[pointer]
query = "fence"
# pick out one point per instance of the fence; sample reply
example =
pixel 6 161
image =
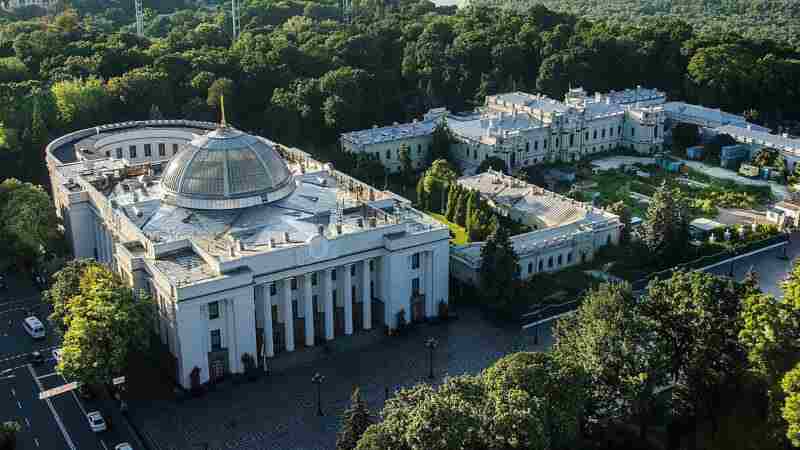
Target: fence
pixel 711 260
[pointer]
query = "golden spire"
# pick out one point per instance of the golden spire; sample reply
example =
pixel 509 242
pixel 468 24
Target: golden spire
pixel 223 124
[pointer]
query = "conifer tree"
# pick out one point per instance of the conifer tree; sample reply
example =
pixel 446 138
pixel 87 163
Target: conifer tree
pixel 461 207
pixel 472 200
pixel 499 265
pixel 451 201
pixel 422 196
pixel 355 421
pixel 666 226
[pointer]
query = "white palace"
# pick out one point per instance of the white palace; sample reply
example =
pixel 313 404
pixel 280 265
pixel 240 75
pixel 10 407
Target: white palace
pixel 526 129
pixel 247 246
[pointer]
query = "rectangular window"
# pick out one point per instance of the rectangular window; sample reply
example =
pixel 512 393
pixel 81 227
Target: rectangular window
pixel 119 152
pixel 655 132
pixel 586 136
pixel 294 284
pixel 216 340
pixel 273 290
pixel 371 265
pixel 594 134
pixel 313 279
pixel 545 144
pixel 633 132
pixel 388 154
pixel 353 270
pixel 132 151
pixel 333 274
pixel 162 149
pixel 611 132
pixel 619 130
pixel 603 133
pixel 213 310
pixel 174 149
pixel 536 145
pixel 571 139
pixel 419 149
pixel 148 150
pixel 333 296
pixel 415 261
pixel 415 287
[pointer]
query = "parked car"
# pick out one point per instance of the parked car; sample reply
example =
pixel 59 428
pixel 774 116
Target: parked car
pixel 34 327
pixel 96 421
pixel 123 446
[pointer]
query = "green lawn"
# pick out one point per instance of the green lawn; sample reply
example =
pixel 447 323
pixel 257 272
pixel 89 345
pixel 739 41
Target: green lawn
pixel 458 231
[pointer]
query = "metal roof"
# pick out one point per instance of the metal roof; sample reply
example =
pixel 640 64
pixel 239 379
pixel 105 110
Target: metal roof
pixel 390 133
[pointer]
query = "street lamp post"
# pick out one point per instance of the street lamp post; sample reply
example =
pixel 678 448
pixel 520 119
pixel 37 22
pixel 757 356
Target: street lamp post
pixel 318 380
pixel 431 345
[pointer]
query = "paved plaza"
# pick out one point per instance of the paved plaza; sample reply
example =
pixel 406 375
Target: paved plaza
pixel 279 411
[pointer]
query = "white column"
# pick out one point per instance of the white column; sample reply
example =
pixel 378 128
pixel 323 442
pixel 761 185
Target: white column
pixel 327 286
pixel 288 315
pixel 347 281
pixel 430 301
pixel 308 309
pixel 230 336
pixel 269 342
pixel 366 295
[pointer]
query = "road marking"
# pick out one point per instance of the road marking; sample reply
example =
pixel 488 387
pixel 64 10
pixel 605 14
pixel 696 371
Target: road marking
pixel 104 444
pixel 22 355
pixel 36 441
pixel 77 400
pixel 48 375
pixel 53 411
pixel 27 422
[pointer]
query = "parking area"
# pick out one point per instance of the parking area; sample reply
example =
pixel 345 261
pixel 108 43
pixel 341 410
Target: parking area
pixel 58 422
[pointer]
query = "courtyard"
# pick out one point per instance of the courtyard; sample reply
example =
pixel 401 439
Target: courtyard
pixel 279 411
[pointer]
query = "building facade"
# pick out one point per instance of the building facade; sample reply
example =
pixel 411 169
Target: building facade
pixel 10 5
pixel 526 129
pixel 245 245
pixel 566 232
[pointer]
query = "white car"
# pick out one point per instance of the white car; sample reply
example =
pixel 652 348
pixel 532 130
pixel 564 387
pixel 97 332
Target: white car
pixel 123 446
pixel 56 354
pixel 96 421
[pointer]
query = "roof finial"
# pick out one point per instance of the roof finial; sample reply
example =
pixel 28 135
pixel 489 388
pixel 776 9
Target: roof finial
pixel 222 124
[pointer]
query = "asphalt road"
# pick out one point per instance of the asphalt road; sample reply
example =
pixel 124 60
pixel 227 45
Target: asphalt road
pixel 60 421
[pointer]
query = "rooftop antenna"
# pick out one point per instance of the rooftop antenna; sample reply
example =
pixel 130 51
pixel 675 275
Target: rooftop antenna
pixel 235 19
pixel 139 18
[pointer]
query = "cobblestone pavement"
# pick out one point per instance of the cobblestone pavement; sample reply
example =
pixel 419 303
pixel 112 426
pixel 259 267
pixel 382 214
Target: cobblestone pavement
pixel 279 411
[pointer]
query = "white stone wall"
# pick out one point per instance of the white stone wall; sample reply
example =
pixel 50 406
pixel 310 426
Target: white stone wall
pixel 388 153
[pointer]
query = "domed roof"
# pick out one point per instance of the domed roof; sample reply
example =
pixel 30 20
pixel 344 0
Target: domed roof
pixel 226 169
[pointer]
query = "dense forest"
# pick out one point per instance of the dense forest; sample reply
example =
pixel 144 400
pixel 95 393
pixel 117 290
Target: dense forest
pixel 760 19
pixel 301 74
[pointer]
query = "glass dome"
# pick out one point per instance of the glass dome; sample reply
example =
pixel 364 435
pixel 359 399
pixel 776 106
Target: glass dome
pixel 226 169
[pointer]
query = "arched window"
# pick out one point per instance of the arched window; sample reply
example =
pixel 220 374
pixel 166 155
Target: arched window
pixel 527 146
pixel 388 154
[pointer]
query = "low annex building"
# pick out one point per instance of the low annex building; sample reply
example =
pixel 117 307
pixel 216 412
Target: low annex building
pixel 246 246
pixel 566 232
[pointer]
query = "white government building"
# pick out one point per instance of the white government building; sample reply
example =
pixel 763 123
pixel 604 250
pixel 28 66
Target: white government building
pixel 526 129
pixel 566 232
pixel 247 246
